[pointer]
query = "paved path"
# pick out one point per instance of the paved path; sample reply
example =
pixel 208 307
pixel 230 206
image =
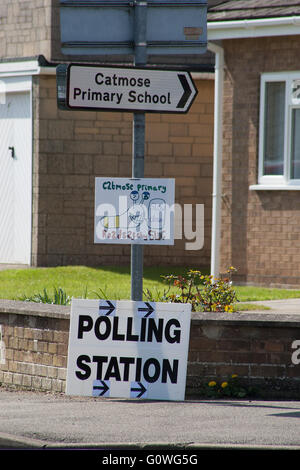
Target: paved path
pixel 44 419
pixel 289 306
pixel 4 266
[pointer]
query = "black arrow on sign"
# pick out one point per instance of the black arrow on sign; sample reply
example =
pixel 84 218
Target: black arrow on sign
pixel 141 390
pixel 102 387
pixel 110 307
pixel 186 93
pixel 149 309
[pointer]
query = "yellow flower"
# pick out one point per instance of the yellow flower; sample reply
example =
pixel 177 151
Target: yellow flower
pixel 229 308
pixel 212 383
pixel 234 376
pixel 224 384
pixel 231 268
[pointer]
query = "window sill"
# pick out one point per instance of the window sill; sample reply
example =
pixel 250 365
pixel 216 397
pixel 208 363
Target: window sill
pixel 270 187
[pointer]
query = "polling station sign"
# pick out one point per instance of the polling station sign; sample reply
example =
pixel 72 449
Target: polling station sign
pixel 128 349
pixel 134 210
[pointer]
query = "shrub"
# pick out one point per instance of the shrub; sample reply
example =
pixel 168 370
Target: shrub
pixel 203 292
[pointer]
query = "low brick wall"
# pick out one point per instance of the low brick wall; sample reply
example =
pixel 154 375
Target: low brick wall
pixel 257 347
pixel 34 345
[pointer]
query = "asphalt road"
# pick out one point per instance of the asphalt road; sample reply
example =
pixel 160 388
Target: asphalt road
pixel 43 420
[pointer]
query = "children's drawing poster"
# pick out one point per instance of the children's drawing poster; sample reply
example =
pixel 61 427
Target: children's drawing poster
pixel 129 210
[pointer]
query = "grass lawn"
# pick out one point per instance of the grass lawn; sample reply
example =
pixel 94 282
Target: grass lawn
pixel 78 281
pixel 247 293
pixel 106 282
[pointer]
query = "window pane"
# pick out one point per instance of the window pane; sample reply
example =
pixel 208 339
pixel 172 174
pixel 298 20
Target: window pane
pixel 295 163
pixel 274 128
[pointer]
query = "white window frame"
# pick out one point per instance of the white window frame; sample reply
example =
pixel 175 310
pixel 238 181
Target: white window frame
pixel 277 182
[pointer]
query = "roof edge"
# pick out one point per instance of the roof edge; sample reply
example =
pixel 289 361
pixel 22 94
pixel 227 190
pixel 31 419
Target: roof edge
pixel 234 29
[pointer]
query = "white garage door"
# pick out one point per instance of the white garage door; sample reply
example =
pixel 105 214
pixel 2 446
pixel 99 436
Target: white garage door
pixel 15 178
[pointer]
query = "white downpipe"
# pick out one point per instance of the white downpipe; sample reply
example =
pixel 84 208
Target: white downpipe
pixel 217 159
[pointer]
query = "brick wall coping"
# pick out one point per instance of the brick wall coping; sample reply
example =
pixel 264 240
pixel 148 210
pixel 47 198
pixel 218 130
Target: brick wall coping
pixel 35 309
pixel 248 319
pixel 218 318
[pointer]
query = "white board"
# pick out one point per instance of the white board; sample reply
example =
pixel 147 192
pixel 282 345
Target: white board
pixel 128 349
pixel 129 89
pixel 139 211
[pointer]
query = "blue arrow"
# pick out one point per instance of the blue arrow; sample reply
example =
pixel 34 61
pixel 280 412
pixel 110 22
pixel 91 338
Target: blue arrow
pixel 99 388
pixel 149 309
pixel 110 307
pixel 140 389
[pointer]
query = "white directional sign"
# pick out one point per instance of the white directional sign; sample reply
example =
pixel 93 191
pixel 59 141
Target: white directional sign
pixel 129 89
pixel 128 349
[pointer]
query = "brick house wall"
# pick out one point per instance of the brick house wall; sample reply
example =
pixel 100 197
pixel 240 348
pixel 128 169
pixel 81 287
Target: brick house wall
pixel 71 148
pixel 260 229
pixel 26 27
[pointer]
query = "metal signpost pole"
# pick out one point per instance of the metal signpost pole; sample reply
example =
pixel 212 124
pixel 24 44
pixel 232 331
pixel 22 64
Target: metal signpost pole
pixel 138 143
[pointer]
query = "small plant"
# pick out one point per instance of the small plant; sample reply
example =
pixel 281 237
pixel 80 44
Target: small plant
pixel 227 388
pixel 159 296
pixel 59 297
pixel 203 292
pixel 101 293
